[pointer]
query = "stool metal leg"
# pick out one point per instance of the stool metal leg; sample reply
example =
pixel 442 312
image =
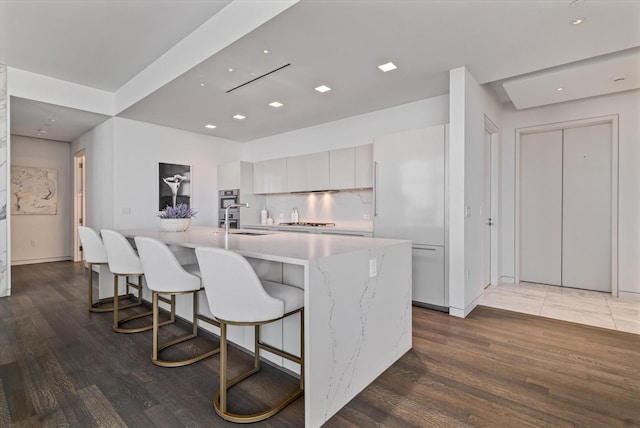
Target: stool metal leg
pixel 220 398
pixel 117 322
pixel 157 347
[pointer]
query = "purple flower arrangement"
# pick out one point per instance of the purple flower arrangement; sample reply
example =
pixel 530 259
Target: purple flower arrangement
pixel 179 211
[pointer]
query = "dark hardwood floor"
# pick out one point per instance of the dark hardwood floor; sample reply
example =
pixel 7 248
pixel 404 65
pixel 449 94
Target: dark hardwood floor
pixel 63 366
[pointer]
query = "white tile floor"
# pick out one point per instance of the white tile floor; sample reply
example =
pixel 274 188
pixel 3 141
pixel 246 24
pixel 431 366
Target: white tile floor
pixel 567 304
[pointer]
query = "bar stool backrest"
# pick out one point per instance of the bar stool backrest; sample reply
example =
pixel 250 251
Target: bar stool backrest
pixel 92 246
pixel 162 270
pixel 123 259
pixel 233 289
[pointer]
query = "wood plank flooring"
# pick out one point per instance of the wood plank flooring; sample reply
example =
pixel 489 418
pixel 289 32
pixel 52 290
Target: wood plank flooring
pixel 63 366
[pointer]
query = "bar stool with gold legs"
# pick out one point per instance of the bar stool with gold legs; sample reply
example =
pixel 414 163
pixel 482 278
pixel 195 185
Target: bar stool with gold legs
pixel 237 296
pixel 94 254
pixel 165 275
pixel 124 262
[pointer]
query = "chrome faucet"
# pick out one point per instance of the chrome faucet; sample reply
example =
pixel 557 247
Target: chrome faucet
pixel 226 215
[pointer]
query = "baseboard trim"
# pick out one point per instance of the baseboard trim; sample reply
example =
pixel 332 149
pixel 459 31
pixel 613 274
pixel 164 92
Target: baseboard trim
pixel 45 260
pixel 628 295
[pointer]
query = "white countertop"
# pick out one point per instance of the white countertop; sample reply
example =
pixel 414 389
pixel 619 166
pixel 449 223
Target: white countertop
pixel 296 248
pixel 324 229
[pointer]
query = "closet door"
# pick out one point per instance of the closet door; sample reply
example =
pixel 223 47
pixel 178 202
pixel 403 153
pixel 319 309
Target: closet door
pixel 586 207
pixel 541 207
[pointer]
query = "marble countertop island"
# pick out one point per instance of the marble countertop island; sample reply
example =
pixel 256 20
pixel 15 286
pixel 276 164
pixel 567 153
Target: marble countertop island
pixel 357 304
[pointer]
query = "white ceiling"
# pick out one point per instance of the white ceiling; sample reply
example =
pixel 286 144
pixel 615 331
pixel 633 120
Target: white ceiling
pixel 337 43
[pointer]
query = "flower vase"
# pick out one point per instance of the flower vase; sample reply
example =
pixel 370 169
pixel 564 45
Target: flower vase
pixel 174 224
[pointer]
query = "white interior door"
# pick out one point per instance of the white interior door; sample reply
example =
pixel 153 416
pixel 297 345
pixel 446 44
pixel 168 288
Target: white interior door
pixel 541 208
pixel 586 208
pixel 486 212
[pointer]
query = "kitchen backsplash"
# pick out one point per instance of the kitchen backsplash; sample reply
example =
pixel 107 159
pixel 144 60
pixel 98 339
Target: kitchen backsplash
pixel 346 208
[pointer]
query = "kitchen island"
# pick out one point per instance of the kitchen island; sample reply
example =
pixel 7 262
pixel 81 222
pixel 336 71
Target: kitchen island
pixel 357 304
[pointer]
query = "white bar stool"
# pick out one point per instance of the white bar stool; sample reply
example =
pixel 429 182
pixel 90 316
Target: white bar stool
pixel 124 262
pixel 94 254
pixel 165 275
pixel 237 296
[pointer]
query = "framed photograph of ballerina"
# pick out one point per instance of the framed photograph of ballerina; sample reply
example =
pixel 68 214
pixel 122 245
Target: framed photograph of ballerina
pixel 174 185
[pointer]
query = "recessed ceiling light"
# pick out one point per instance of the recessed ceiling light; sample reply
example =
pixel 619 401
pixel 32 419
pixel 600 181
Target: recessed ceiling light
pixel 387 67
pixel 276 104
pixel 210 126
pixel 265 51
pixel 52 120
pixel 239 117
pixel 231 70
pixel 202 84
pixel 41 131
pixel 323 88
pixel 254 74
pixel 560 89
pixel 577 21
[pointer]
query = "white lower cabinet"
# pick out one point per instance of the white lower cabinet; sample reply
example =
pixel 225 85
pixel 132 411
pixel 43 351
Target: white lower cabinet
pixel 428 275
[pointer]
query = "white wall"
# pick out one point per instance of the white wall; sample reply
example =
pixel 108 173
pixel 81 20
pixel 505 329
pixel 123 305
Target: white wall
pixel 138 147
pixel 42 238
pixel 470 103
pixel 352 131
pixel 627 106
pixel 98 147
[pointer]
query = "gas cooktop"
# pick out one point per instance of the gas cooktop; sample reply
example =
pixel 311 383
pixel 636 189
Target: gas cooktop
pixel 309 224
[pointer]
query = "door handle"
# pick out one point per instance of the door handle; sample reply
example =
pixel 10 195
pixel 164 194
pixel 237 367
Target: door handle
pixel 490 223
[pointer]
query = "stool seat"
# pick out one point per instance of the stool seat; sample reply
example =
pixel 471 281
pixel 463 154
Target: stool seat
pixel 165 275
pixel 237 296
pixel 293 297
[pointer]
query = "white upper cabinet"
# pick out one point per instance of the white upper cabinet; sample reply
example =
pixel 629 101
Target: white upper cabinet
pixel 351 168
pixel 308 172
pixel 229 176
pixel 270 176
pixel 342 164
pixel 364 166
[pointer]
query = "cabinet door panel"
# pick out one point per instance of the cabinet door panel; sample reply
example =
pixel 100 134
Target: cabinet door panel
pixel 342 169
pixel 364 166
pixel 277 172
pixel 296 174
pixel 428 275
pixel 410 186
pixel 317 165
pixel 260 177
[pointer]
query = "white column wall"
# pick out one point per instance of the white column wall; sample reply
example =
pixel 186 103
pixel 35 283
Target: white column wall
pixel 469 105
pixel 5 234
pixel 627 106
pixel 98 146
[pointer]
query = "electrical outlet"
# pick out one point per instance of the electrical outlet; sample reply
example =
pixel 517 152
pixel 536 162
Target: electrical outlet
pixel 366 216
pixel 373 268
pixel 33 243
pixel 467 211
pixel 281 215
pixel 125 211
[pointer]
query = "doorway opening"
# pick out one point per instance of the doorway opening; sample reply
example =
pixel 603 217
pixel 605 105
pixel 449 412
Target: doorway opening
pixel 79 201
